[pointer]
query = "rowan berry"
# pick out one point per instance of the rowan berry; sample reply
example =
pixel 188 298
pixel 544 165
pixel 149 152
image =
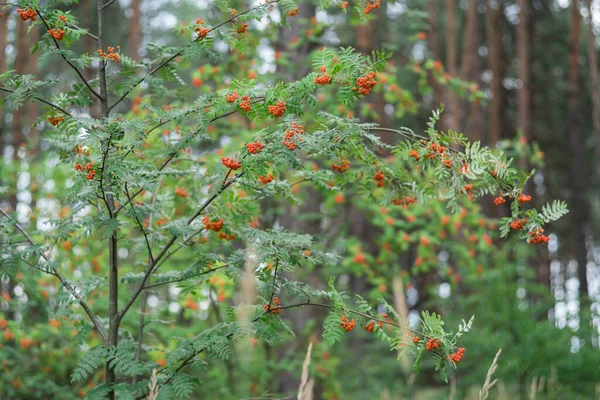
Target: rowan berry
pixel 230 163
pixel 422 35
pixel 468 187
pixel 243 28
pixel 225 236
pixel 347 325
pixel 447 163
pixel 255 147
pixel 90 175
pixel 405 201
pixel 55 120
pixel 266 179
pixel 379 177
pixel 245 104
pixel 323 79
pixel 57 33
pixel 181 192
pixel 274 310
pixel 202 32
pixel 516 225
pixel 537 237
pixel 464 169
pixel 415 154
pixel 28 14
pixel 232 97
pixel 365 84
pixel 523 198
pixel 371 6
pixel 277 110
pixel 344 4
pixel 342 167
pixel 432 344
pixel 63 18
pixel 416 339
pixel 293 12
pixel 458 355
pixel 214 226
pixel 370 327
pixel 499 200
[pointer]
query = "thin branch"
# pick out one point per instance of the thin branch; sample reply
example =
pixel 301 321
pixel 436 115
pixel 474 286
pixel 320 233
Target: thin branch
pixel 180 52
pixel 148 245
pixel 85 82
pixel 62 280
pixel 62 110
pixel 274 282
pixel 108 4
pixel 208 271
pixel 87 33
pixel 170 243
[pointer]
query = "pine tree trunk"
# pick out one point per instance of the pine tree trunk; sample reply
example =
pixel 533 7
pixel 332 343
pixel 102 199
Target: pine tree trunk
pixel 20 68
pixel 452 116
pixel 524 70
pixel 494 21
pixel 435 51
pixel 595 87
pixel 3 67
pixel 135 30
pixel 470 70
pixel 33 108
pixel 578 204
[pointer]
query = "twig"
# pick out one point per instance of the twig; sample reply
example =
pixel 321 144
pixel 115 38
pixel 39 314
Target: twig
pixel 85 82
pixel 186 278
pixel 62 110
pixel 62 280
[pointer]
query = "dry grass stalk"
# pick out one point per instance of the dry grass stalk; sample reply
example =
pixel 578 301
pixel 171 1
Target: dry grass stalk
pixel 153 393
pixel 305 389
pixel 488 384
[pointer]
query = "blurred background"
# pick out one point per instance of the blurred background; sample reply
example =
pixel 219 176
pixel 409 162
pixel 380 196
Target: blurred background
pixel 518 75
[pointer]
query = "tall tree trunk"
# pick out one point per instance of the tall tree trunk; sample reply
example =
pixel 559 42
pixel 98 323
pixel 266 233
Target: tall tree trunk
pixel 452 117
pixel 3 67
pixel 33 108
pixel 578 204
pixel 135 30
pixel 595 87
pixel 435 52
pixel 524 38
pixel 471 68
pixel 494 22
pixel 20 68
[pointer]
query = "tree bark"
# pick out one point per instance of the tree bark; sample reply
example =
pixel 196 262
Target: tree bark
pixel 471 71
pixel 452 117
pixel 524 70
pixel 578 204
pixel 435 51
pixel 595 87
pixel 3 67
pixel 135 30
pixel 20 68
pixel 494 22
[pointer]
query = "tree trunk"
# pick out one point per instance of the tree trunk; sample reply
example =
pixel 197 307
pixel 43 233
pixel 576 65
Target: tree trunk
pixel 494 22
pixel 470 70
pixel 135 30
pixel 524 70
pixel 435 51
pixel 33 108
pixel 578 204
pixel 3 67
pixel 452 116
pixel 20 68
pixel 595 87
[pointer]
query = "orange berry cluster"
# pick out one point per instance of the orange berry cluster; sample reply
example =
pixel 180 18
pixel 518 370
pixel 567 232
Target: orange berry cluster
pixel 214 226
pixel 371 6
pixel 181 192
pixel 110 54
pixel 456 357
pixel 28 14
pixel 416 340
pixel 245 104
pixel 523 198
pixel 57 33
pixel 433 344
pixel 223 235
pixel 88 167
pixel 517 225
pixel 232 97
pixel 243 28
pixel 344 4
pixel 274 310
pixel 277 110
pixel 63 18
pixel 365 84
pixel 370 327
pixel 415 154
pixel 323 79
pixel 538 237
pixel 266 179
pixel 499 200
pixel 464 169
pixel 447 163
pixel 255 147
pixel 380 178
pixel 230 163
pixel 405 201
pixel 468 187
pixel 347 325
pixel 55 120
pixel 290 133
pixel 201 31
pixel 293 12
pixel 342 167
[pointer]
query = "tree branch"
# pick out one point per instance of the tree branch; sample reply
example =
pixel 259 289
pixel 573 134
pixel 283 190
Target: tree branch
pixel 62 280
pixel 62 110
pixel 180 52
pixel 85 82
